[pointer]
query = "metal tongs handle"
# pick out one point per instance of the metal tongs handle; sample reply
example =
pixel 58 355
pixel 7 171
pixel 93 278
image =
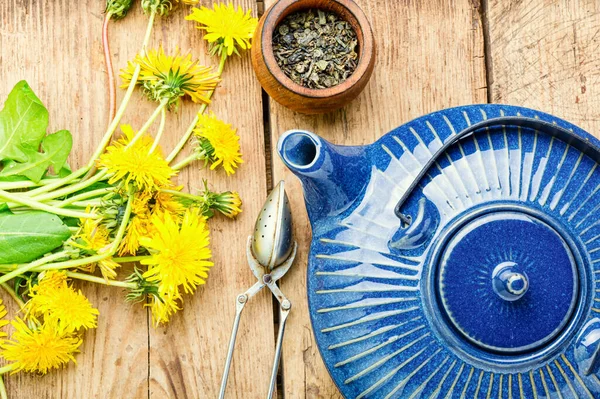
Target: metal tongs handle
pixel 284 310
pixel 240 302
pixel 285 305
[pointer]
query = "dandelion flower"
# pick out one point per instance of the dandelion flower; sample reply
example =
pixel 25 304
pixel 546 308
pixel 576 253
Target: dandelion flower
pixel 136 229
pixel 3 322
pixel 93 238
pixel 226 27
pixel 135 164
pixel 228 203
pixel 144 206
pixel 169 77
pixel 218 143
pixel 163 306
pixel 39 350
pixel 179 253
pixel 55 300
pixel 162 202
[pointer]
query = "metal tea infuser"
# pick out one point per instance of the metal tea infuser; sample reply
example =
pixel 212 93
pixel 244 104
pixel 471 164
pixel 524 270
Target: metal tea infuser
pixel 271 252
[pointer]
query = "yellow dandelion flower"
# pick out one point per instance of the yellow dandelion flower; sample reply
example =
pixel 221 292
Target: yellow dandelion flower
pixel 136 229
pixel 137 226
pixel 3 322
pixel 144 206
pixel 94 239
pixel 171 77
pixel 52 279
pixel 56 301
pixel 218 143
pixel 163 306
pixel 135 164
pixel 228 203
pixel 179 253
pixel 39 350
pixel 167 203
pixel 226 27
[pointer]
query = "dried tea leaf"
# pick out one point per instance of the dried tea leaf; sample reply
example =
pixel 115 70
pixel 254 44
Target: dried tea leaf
pixel 315 49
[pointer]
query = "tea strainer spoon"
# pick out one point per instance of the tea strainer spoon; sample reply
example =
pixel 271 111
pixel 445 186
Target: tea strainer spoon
pixel 271 252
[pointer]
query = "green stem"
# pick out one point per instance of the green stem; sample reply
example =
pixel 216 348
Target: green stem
pixel 180 194
pixel 95 258
pixel 58 183
pixel 121 111
pixel 100 280
pixel 86 195
pixel 34 204
pixel 30 266
pixel 161 129
pixel 85 204
pixel 18 185
pixel 13 295
pixel 3 393
pixel 6 369
pixel 73 188
pixel 186 161
pixel 149 122
pixel 190 130
pixel 128 259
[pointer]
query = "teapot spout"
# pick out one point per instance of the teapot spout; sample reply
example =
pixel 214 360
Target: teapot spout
pixel 332 176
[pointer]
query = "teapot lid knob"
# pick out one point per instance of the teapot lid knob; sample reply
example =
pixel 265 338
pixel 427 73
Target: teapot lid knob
pixel 509 282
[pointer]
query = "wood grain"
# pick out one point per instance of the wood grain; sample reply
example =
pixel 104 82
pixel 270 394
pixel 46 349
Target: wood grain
pixel 187 357
pixel 429 56
pixel 63 64
pixel 56 47
pixel 545 55
pixel 541 54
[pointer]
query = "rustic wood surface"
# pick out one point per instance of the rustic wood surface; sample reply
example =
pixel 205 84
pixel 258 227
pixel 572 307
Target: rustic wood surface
pixel 430 54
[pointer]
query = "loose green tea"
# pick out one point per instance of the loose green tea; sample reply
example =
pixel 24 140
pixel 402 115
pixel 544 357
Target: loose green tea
pixel 315 48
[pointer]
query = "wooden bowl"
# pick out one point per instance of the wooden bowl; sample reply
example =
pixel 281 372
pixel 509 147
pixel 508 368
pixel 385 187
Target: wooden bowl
pixel 292 95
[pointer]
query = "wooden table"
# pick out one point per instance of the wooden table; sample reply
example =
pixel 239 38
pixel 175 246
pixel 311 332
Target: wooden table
pixel 432 54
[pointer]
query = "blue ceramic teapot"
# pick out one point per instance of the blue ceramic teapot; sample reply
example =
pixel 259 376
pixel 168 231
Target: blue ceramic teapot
pixel 457 256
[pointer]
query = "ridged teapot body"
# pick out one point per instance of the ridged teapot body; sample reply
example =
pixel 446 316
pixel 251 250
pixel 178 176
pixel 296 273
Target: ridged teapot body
pixel 487 286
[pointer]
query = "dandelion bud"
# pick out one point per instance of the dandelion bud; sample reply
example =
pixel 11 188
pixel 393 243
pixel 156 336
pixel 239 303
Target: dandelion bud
pixel 228 203
pixel 160 7
pixel 118 8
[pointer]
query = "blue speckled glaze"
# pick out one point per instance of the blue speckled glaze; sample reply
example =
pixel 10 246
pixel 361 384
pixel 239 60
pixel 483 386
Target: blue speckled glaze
pixel 520 245
pixel 491 289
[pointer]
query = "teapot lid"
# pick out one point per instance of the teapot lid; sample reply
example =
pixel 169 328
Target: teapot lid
pixel 489 289
pixel 507 282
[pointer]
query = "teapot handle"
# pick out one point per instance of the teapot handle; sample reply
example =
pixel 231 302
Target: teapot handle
pixel 552 129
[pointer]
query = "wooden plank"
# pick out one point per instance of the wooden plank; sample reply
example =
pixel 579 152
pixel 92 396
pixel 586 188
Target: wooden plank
pixel 187 357
pixel 430 56
pixel 544 55
pixel 63 63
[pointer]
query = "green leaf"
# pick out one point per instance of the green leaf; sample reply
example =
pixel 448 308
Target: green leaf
pixel 56 149
pixel 64 171
pixel 23 124
pixel 4 208
pixel 27 236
